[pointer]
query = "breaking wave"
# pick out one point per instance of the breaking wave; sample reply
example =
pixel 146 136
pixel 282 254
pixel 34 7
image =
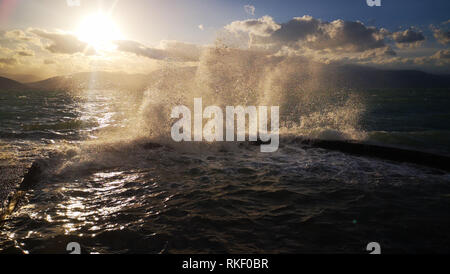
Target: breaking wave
pixel 126 179
pixel 235 77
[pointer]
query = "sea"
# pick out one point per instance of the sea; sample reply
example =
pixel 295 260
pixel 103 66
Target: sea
pixel 112 180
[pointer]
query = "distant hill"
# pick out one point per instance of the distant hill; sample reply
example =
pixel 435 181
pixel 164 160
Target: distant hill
pixel 11 85
pixel 93 80
pixel 327 76
pixel 353 76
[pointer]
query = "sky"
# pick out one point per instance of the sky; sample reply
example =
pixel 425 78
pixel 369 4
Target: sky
pixel 43 38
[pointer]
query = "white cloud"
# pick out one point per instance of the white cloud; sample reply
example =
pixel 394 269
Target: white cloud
pixel 264 26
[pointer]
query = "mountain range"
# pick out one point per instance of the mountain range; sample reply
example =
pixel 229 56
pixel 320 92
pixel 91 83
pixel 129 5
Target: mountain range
pixel 347 76
pixel 8 84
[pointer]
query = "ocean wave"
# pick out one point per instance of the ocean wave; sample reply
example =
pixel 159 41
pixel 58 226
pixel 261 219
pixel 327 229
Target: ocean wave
pixel 142 192
pixel 66 125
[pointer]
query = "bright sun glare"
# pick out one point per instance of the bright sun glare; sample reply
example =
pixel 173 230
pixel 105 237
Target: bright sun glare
pixel 98 30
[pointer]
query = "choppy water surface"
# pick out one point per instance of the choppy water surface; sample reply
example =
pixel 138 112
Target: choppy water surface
pixel 132 196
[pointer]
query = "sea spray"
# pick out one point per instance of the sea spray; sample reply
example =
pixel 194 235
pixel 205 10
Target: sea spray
pixel 224 77
pixel 214 128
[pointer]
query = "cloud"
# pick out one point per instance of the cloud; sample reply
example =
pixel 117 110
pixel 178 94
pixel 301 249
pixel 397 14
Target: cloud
pixel 297 29
pixel 443 54
pixel 45 53
pixel 17 50
pixel 442 36
pixel 49 62
pixel 18 34
pixel 181 50
pixel 25 52
pixel 63 43
pixel 337 41
pixel 177 51
pixel 379 52
pixel 306 31
pixel 249 9
pixel 5 51
pixel 264 26
pixel 408 38
pixel 8 61
pixel 139 49
pixel 439 58
pixel 350 36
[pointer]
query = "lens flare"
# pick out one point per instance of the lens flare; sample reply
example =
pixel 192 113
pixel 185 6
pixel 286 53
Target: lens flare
pixel 98 30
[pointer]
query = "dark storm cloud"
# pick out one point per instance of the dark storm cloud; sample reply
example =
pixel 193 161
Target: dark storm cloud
pixel 408 38
pixel 313 33
pixel 350 36
pixel 297 29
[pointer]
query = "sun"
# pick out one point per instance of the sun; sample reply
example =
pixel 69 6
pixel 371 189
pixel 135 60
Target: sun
pixel 98 30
